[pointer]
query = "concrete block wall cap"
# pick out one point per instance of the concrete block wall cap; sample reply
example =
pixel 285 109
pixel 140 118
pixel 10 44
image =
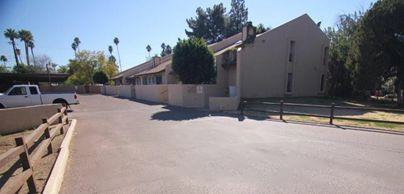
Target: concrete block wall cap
pixel 56 178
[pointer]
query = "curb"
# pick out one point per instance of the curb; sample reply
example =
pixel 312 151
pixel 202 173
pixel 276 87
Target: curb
pixel 56 178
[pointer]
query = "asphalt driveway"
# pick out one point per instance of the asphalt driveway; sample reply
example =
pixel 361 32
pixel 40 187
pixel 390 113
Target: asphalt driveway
pixel 123 146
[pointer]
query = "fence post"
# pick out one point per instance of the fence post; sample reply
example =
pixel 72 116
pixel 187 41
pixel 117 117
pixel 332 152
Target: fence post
pixel 332 113
pixel 281 110
pixel 65 113
pixel 47 136
pixel 61 119
pixel 26 164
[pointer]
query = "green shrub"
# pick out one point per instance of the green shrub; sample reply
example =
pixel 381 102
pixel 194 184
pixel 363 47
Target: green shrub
pixel 193 62
pixel 100 77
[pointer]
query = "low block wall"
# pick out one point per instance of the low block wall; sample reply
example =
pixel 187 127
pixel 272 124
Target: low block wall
pixel 192 96
pixel 24 118
pixel 125 91
pixel 153 93
pixel 223 103
pixel 111 90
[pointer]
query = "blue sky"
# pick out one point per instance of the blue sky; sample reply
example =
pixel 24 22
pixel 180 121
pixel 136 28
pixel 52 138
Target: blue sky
pixel 54 23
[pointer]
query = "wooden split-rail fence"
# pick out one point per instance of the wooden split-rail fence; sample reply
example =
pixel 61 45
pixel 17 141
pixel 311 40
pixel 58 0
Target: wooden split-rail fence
pixel 28 152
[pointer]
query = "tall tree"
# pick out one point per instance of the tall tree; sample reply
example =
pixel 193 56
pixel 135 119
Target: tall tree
pixel 168 50
pixel 148 48
pixel 209 24
pixel 261 29
pixel 63 69
pixel 238 17
pixel 12 35
pixel 18 51
pixel 82 68
pixel 40 64
pixel 74 47
pixel 340 76
pixel 110 49
pixel 26 37
pixel 31 45
pixel 77 41
pixel 3 59
pixel 377 53
pixel 3 68
pixel 165 50
pixel 116 41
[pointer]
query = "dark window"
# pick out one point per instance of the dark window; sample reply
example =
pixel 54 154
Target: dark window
pixel 322 83
pixel 325 57
pixel 292 51
pixel 159 79
pixel 144 81
pixel 18 91
pixel 33 90
pixel 289 83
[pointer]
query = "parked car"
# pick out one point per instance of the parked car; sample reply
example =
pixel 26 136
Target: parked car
pixel 28 95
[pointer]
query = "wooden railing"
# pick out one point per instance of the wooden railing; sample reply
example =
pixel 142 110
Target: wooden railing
pixel 331 108
pixel 28 152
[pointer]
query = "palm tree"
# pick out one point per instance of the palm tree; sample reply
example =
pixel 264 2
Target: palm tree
pixel 26 37
pixel 148 48
pixel 116 41
pixel 12 35
pixel 163 49
pixel 31 45
pixel 110 49
pixel 74 47
pixel 18 52
pixel 4 59
pixel 77 41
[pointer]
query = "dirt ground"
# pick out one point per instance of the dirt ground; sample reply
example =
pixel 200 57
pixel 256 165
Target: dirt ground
pixel 41 171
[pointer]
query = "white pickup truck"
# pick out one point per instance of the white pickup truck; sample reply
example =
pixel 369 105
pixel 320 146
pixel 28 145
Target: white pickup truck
pixel 28 95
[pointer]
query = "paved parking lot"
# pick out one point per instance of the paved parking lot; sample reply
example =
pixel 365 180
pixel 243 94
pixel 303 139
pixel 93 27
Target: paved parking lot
pixel 123 146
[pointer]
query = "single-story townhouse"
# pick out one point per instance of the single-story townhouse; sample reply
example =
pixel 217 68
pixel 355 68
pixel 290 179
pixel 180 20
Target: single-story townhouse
pixel 290 60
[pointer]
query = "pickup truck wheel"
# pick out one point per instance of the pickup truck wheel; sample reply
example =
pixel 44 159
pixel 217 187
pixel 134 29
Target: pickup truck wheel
pixel 1 106
pixel 61 101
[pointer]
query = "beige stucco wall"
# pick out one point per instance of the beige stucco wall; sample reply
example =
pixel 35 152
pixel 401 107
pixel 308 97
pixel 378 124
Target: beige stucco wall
pixel 111 90
pixel 125 91
pixel 264 64
pixel 24 118
pixel 153 93
pixel 186 95
pixel 223 103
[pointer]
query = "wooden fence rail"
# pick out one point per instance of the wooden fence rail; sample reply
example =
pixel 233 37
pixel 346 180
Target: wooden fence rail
pixel 331 116
pixel 29 150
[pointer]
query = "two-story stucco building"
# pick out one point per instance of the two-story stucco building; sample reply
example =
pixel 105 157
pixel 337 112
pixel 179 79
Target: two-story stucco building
pixel 290 60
